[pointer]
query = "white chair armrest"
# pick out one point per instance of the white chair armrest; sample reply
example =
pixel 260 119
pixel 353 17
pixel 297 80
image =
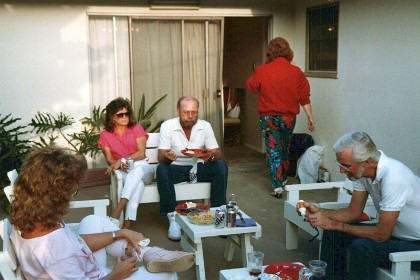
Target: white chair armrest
pixel 408 256
pixel 118 174
pixel 12 175
pixel 99 205
pixel 8 191
pixel 333 205
pixel 293 190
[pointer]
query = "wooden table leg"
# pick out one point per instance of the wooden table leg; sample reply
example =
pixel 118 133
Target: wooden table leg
pixel 243 241
pixel 291 235
pixel 230 247
pixel 246 247
pixel 197 248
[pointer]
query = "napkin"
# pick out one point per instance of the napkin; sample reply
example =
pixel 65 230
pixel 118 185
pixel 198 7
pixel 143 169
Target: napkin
pixel 248 222
pixel 193 171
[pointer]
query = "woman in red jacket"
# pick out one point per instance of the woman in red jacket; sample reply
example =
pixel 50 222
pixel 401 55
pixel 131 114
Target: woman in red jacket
pixel 282 88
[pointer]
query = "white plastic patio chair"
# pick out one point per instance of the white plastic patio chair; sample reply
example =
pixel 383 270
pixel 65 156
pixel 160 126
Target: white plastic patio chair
pixel 9 266
pixel 401 261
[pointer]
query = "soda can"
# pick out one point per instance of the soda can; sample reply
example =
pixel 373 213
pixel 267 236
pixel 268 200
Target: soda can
pixel 220 218
pixel 130 163
pixel 231 218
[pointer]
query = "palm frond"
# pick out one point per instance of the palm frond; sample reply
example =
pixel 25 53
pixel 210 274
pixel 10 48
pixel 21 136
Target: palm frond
pixel 153 108
pixel 142 109
pixel 98 119
pixel 44 122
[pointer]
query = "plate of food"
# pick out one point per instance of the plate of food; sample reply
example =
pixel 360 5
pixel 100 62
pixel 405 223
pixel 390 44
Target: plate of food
pixel 188 207
pixel 195 152
pixel 284 270
pixel 201 218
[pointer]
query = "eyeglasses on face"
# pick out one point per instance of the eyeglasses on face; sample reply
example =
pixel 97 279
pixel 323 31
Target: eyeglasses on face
pixel 345 168
pixel 189 113
pixel 121 115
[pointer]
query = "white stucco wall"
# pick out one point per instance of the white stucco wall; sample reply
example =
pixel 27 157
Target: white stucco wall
pixel 44 61
pixel 44 65
pixel 378 85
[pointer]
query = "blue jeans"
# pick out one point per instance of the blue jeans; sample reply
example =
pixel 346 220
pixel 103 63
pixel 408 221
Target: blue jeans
pixel 168 174
pixel 364 255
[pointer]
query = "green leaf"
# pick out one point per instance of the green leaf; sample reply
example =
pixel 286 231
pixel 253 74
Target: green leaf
pixel 98 119
pixel 13 149
pixel 142 109
pixel 44 122
pixel 153 108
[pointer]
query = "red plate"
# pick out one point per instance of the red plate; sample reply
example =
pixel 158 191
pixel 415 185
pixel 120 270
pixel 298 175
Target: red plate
pixel 183 210
pixel 287 270
pixel 197 152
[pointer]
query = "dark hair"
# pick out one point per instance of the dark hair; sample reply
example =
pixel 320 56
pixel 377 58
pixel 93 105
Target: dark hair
pixel 112 108
pixel 47 180
pixel 279 47
pixel 187 98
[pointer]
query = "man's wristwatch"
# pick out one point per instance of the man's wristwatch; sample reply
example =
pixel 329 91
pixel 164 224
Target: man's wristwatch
pixel 212 157
pixel 113 235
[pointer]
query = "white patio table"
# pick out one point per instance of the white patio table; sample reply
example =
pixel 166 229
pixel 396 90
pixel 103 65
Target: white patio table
pixel 191 240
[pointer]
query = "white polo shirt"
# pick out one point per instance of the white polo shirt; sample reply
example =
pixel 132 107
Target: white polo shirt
pixel 395 188
pixel 172 137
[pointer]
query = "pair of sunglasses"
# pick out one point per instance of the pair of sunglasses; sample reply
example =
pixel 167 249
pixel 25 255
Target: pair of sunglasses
pixel 120 115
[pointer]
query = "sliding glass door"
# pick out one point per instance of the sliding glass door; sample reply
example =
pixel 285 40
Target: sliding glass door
pixel 132 57
pixel 178 57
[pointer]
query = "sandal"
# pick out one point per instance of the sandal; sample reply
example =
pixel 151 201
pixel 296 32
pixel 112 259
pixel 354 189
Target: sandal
pixel 277 193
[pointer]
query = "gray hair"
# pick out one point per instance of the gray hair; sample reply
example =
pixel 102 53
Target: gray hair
pixel 187 98
pixel 360 143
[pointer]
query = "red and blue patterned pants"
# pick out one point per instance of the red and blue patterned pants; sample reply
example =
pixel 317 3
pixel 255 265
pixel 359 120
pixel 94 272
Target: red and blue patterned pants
pixel 277 132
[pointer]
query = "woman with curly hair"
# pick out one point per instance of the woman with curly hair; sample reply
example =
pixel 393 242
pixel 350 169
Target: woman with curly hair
pixel 47 249
pixel 124 138
pixel 281 88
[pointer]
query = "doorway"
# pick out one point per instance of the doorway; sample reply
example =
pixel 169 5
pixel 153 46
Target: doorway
pixel 245 41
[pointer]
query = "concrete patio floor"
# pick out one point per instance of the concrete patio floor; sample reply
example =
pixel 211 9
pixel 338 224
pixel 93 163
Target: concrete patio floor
pixel 249 181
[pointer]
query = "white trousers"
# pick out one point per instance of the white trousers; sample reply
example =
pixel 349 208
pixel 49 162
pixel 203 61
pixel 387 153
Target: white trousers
pixel 133 189
pixel 97 224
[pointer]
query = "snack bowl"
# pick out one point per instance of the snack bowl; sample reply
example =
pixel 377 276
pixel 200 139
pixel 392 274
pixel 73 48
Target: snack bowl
pixel 202 218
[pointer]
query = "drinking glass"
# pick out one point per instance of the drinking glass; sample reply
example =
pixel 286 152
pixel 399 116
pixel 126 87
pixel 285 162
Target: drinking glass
pixel 255 262
pixel 318 269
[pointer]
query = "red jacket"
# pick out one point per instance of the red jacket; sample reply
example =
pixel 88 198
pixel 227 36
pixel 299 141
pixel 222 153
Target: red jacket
pixel 281 86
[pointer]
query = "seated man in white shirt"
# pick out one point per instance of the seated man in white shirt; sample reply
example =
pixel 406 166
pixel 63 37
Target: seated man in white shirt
pixel 395 191
pixel 187 131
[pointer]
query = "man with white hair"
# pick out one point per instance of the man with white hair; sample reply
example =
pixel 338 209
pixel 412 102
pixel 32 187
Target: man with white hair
pixel 395 191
